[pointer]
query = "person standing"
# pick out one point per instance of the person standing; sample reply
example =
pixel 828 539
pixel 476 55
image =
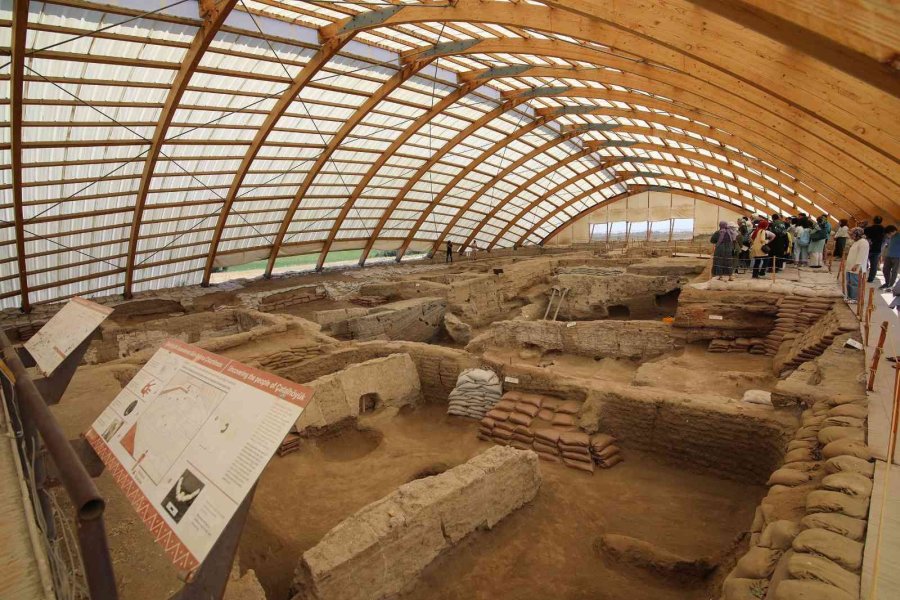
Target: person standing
pixel 779 246
pixel 891 256
pixel 875 234
pixel 857 262
pixel 759 248
pixel 449 258
pixel 801 241
pixel 840 238
pixel 818 235
pixel 727 247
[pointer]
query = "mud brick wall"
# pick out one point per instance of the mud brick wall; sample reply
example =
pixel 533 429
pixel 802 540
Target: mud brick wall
pixel 436 366
pixel 417 320
pixel 292 297
pixel 744 314
pixel 590 296
pixel 596 339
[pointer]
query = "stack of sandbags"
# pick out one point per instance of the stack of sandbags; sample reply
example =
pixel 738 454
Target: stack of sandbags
pixel 575 447
pixel 546 444
pixel 526 409
pixel 522 438
pixel 486 429
pixel 604 451
pixel 476 392
pixel 502 430
pixel 565 417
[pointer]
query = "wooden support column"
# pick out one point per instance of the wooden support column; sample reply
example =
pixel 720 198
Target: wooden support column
pixel 19 37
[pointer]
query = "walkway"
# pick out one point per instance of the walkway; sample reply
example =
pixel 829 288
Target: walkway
pixel 20 577
pixel 881 565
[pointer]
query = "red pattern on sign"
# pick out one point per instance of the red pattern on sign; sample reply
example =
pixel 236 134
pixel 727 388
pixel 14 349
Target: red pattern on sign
pixel 165 537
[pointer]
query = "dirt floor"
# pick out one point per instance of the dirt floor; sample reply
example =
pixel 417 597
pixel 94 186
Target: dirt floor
pixel 545 550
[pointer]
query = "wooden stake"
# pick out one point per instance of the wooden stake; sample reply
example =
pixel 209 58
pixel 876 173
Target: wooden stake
pixel 876 358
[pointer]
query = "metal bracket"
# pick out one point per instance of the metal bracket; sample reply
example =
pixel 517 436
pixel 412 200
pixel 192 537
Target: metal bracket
pixel 210 580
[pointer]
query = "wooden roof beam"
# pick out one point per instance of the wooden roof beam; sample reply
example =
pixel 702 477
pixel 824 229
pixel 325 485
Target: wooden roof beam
pixel 214 16
pixel 19 39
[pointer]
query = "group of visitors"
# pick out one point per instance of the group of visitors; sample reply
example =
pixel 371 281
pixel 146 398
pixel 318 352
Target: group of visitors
pixel 763 244
pixel 873 246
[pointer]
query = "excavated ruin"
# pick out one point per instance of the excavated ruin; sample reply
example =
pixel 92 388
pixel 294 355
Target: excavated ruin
pixel 543 425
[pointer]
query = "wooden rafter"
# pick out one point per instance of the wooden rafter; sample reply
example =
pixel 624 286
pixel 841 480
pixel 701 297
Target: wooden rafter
pixel 214 16
pixel 19 38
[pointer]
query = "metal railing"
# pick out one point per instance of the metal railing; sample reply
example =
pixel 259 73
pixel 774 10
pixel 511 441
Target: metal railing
pixel 40 436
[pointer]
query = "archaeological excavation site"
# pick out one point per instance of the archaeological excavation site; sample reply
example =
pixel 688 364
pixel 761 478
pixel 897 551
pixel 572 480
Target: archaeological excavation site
pixel 449 300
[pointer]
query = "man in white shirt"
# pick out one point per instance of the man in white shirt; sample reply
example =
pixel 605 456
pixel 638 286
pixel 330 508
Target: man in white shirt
pixel 857 262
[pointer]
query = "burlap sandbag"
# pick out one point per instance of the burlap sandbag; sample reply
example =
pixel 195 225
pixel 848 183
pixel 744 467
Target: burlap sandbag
pixel 599 441
pixel 833 434
pixel 606 452
pixel 818 568
pixel 551 403
pixel 799 455
pixel 836 502
pixel 575 438
pixel 850 464
pixel 549 457
pixel 757 563
pixel 520 445
pixel 801 589
pixel 484 436
pixel 501 433
pixel 575 449
pixel 533 399
pixel 847 447
pixel 844 421
pixel 737 588
pixel 545 415
pixel 808 432
pixel 778 535
pixel 527 409
pixel 511 396
pixel 486 430
pixel 569 407
pixel 550 435
pixel 845 552
pixel 788 477
pixel 525 439
pixel 849 527
pixel 576 456
pixel 564 420
pixel 506 405
pixel 520 419
pixel 505 425
pixel 498 415
pixel 539 447
pixel 857 411
pixel 608 463
pixel 852 484
pixel 487 422
pixel 805 444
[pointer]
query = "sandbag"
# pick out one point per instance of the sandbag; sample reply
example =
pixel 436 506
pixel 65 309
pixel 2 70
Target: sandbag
pixel 799 455
pixel 850 464
pixel 525 439
pixel 501 434
pixel 549 457
pixel 806 444
pixel 832 434
pixel 850 410
pixel 576 449
pixel 849 527
pixel 545 415
pixel 505 425
pixel 487 422
pixel 788 477
pixel 843 421
pixel 564 419
pixel 738 588
pixel 757 397
pixel 550 435
pixel 847 447
pixel 576 464
pixel 608 463
pixel 527 409
pixel 599 441
pixel 511 396
pixel 802 589
pixel 520 419
pixel 778 535
pixel 818 568
pixel 808 432
pixel 507 405
pixel 852 484
pixel 757 563
pixel 539 447
pixel 575 438
pixel 498 415
pixel 606 453
pixel 520 445
pixel 569 407
pixel 551 403
pixel 577 456
pixel 845 552
pixel 836 502
pixel 534 399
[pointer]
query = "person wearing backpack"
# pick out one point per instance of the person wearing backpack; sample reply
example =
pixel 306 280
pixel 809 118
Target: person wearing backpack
pixel 801 241
pixel 818 235
pixel 759 248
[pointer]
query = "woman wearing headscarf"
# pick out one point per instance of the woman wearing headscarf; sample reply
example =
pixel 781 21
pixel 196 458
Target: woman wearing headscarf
pixel 857 262
pixel 727 248
pixel 759 248
pixel 818 235
pixel 782 242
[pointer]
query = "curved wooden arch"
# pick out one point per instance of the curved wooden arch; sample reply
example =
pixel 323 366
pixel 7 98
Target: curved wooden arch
pixel 877 141
pixel 567 137
pixel 524 16
pixel 578 177
pixel 696 91
pixel 16 94
pixel 537 224
pixel 212 22
pixel 634 191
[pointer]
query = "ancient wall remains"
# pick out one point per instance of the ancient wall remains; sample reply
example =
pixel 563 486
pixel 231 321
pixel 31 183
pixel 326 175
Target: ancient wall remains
pixel 705 314
pixel 388 381
pixel 592 291
pixel 417 320
pixel 596 339
pixel 269 302
pixel 379 551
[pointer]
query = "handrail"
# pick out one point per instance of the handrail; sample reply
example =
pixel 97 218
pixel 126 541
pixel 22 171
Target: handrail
pixel 83 494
